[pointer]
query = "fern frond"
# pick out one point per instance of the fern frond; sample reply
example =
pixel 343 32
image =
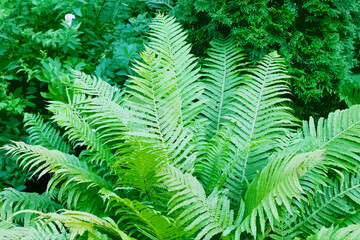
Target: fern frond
pixel 221 73
pixel 137 216
pixel 138 163
pixel 154 95
pixel 334 204
pixel 339 135
pixel 198 215
pixel 276 185
pixel 168 41
pixel 42 133
pixel 78 131
pixel 40 230
pixel 79 223
pixel 70 173
pixel 13 201
pixel 93 86
pixel 336 233
pixel 262 117
pixel 212 165
pixel 261 114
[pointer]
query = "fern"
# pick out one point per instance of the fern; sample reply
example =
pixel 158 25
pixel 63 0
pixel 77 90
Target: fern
pixel 80 223
pixel 253 109
pixel 137 216
pixel 138 163
pixel 335 233
pixel 211 167
pixel 221 80
pixel 339 135
pixel 194 211
pixel 334 204
pixel 84 84
pixel 44 134
pixel 40 230
pixel 69 172
pixel 79 132
pixel 184 153
pixel 13 201
pixel 156 97
pixel 168 40
pixel 281 176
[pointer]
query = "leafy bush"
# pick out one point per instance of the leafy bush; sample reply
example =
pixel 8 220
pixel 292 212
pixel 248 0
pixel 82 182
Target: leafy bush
pixel 188 153
pixel 39 49
pixel 316 38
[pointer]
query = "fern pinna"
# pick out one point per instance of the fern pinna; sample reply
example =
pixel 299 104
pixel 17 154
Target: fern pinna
pixel 187 152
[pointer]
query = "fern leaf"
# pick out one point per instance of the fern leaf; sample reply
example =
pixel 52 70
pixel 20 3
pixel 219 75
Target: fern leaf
pixel 168 41
pixel 44 134
pixel 336 233
pixel 70 173
pixel 137 164
pixel 79 223
pixel 135 215
pixel 198 215
pixel 13 201
pixel 154 95
pixel 339 135
pixel 39 230
pixel 276 185
pixel 261 117
pixel 221 79
pixel 78 131
pixel 334 204
pixel 211 166
pixel 93 86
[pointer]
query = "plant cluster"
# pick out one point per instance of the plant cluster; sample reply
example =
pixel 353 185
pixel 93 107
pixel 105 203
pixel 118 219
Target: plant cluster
pixel 39 49
pixel 187 152
pixel 317 39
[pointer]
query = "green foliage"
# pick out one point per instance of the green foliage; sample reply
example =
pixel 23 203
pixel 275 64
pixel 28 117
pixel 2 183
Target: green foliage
pixel 39 50
pixel 316 37
pixel 186 151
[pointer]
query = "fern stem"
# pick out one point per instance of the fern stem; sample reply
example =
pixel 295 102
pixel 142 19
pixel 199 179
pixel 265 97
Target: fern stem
pixel 222 91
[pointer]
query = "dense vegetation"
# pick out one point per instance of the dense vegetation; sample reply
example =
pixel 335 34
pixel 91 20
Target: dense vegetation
pixel 38 48
pixel 317 38
pixel 134 137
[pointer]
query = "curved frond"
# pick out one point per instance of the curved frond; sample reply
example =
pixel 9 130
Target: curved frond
pixel 276 185
pixel 198 215
pixel 339 134
pixel 336 233
pixel 333 204
pixel 13 201
pixel 78 131
pixel 93 86
pixel 79 223
pixel 43 230
pixel 71 174
pixel 109 121
pixel 42 133
pixel 137 216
